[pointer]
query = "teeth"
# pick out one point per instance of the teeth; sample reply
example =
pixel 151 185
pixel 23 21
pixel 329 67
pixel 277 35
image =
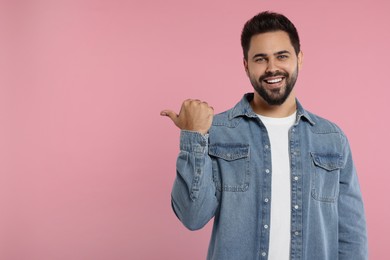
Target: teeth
pixel 274 80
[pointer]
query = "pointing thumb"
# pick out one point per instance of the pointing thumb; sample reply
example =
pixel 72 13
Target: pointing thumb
pixel 172 115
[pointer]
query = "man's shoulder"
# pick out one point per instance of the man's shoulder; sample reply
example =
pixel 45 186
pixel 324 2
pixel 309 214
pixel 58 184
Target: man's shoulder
pixel 225 119
pixel 322 125
pixel 232 116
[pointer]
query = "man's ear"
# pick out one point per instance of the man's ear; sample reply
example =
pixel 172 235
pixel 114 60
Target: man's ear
pixel 245 62
pixel 300 59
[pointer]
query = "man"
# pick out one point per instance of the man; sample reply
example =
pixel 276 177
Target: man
pixel 278 180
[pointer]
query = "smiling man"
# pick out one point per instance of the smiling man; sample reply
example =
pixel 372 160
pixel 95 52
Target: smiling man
pixel 279 181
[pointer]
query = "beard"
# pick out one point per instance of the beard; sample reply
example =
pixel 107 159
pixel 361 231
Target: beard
pixel 277 96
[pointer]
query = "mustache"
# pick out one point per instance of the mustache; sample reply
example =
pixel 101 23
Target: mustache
pixel 273 74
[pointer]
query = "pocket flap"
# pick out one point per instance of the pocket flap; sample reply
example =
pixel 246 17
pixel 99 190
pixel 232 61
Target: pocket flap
pixel 229 152
pixel 327 161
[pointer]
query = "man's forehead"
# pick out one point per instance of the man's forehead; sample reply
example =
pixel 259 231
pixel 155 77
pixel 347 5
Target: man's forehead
pixel 270 42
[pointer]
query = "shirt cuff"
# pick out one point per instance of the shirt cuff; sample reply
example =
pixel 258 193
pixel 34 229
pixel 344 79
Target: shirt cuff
pixel 192 141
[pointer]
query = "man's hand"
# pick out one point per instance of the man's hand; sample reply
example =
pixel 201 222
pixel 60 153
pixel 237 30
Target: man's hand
pixel 194 115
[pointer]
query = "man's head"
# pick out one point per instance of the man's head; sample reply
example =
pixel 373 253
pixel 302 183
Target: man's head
pixel 272 56
pixel 268 22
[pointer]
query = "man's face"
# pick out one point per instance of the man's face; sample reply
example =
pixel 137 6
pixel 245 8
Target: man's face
pixel 272 66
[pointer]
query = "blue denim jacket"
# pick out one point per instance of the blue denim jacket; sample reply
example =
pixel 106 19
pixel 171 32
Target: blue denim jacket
pixel 227 175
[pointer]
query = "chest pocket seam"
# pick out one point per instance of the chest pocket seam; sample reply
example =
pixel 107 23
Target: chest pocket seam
pixel 325 181
pixel 230 166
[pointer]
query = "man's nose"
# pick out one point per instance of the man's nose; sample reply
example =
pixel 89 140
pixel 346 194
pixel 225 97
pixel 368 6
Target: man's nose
pixel 271 66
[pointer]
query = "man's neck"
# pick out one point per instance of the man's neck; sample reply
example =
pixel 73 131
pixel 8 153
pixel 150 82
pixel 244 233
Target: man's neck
pixel 261 107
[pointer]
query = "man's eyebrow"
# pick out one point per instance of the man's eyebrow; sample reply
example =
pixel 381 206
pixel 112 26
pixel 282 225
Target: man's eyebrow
pixel 282 52
pixel 263 55
pixel 259 55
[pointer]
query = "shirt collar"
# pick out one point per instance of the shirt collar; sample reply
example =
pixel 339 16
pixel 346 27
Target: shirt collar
pixel 243 108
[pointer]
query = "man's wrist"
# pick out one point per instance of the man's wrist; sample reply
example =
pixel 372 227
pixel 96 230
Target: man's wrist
pixel 193 141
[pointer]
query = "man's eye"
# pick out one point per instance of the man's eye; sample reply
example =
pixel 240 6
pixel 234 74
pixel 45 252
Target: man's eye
pixel 282 57
pixel 260 60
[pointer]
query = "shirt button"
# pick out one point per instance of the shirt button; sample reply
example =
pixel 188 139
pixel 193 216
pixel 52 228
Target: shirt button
pixel 267 170
pixel 264 254
pixel 266 146
pixel 266 200
pixel 265 226
pixel 295 178
pixel 296 233
pixel 293 129
pixel 296 207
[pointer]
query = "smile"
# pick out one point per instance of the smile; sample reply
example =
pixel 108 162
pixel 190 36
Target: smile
pixel 273 81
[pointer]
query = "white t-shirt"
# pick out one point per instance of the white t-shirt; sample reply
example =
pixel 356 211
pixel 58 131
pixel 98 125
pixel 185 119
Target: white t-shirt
pixel 280 226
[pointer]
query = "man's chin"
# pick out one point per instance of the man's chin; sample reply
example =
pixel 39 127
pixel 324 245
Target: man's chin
pixel 275 100
pixel 272 97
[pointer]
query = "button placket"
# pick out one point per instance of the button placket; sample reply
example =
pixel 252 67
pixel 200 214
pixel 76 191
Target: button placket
pixel 296 193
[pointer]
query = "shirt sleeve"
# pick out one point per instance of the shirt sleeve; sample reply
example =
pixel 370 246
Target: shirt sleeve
pixel 194 194
pixel 352 221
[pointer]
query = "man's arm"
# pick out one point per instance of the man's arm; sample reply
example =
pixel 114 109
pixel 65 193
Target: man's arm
pixel 352 221
pixel 193 193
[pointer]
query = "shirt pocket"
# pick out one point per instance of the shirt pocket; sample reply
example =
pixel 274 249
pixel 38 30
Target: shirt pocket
pixel 230 166
pixel 326 175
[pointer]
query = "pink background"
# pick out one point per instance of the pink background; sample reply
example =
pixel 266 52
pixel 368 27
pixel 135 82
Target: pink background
pixel 87 163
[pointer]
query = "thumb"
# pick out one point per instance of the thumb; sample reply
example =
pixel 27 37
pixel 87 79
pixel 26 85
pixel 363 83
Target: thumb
pixel 169 113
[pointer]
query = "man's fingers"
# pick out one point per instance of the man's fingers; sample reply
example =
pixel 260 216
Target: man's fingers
pixel 195 115
pixel 169 113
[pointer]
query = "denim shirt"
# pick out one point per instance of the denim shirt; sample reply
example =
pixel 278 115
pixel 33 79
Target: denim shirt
pixel 226 174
